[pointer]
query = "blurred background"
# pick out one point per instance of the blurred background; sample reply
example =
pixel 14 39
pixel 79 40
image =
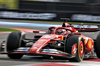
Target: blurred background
pixel 29 15
pixel 51 10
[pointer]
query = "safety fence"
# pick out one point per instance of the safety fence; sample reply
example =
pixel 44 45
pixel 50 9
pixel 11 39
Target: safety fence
pixel 53 11
pixel 48 16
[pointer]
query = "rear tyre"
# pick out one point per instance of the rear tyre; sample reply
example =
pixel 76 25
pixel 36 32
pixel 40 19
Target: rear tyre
pixel 72 40
pixel 97 46
pixel 14 42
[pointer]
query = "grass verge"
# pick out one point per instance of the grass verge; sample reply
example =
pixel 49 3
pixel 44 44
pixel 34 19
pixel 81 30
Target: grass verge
pixel 7 30
pixel 55 22
pixel 49 22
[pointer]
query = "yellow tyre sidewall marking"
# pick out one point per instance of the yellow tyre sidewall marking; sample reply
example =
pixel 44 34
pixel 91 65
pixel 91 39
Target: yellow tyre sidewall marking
pixel 79 48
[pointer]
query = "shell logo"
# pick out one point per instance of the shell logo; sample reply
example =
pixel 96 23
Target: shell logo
pixel 33 49
pixel 42 40
pixel 62 37
pixel 90 44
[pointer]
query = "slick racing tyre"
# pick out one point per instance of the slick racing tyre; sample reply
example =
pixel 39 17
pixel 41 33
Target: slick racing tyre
pixel 15 56
pixel 80 47
pixel 13 41
pixel 97 46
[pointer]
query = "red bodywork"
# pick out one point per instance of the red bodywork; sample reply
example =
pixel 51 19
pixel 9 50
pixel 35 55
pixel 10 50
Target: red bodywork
pixel 45 39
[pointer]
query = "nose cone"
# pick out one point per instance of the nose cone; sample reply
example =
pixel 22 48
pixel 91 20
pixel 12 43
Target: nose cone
pixel 39 44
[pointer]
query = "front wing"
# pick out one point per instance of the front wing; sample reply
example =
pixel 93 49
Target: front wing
pixel 44 52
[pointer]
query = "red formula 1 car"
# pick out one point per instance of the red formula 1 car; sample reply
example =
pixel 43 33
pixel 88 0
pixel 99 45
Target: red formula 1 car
pixel 65 41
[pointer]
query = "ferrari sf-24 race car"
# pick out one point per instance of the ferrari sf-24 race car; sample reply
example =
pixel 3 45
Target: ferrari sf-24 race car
pixel 65 41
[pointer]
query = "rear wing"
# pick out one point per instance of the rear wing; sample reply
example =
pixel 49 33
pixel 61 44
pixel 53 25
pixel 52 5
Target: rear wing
pixel 80 26
pixel 87 28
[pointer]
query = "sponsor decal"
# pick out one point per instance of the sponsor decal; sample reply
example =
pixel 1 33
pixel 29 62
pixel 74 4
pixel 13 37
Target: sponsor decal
pixel 74 49
pixel 50 51
pixel 86 26
pixel 47 36
pixel 42 40
pixel 86 40
pixel 23 49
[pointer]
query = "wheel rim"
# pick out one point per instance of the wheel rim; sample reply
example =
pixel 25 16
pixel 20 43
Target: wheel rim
pixel 81 49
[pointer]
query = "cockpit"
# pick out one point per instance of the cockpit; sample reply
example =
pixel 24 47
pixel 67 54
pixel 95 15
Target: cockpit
pixel 58 30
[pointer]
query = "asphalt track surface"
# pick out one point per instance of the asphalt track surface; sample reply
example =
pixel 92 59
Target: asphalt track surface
pixel 34 60
pixel 26 60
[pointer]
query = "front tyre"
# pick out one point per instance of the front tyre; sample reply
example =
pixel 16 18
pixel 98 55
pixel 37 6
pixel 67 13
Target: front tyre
pixel 15 56
pixel 97 46
pixel 14 42
pixel 72 40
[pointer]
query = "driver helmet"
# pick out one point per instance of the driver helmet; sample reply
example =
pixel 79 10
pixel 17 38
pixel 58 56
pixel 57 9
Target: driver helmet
pixel 51 30
pixel 61 31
